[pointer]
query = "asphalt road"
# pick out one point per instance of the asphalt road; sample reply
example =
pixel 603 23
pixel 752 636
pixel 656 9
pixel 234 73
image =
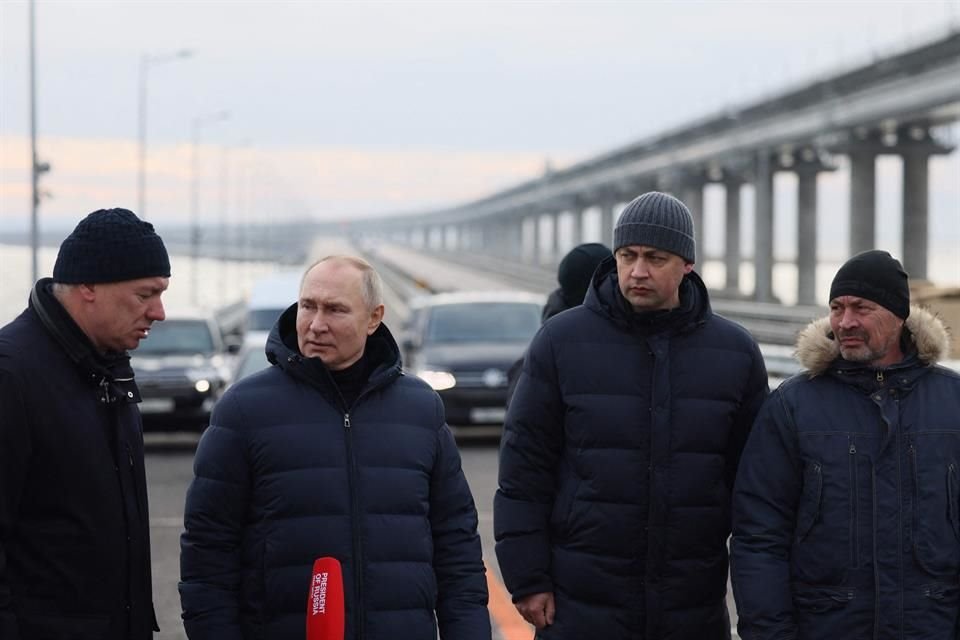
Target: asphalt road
pixel 169 471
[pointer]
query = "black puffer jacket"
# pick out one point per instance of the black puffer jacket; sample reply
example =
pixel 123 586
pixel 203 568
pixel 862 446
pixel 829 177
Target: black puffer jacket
pixel 74 529
pixel 617 463
pixel 847 505
pixel 285 474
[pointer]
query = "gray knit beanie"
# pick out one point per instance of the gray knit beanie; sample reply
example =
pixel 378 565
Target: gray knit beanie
pixel 658 220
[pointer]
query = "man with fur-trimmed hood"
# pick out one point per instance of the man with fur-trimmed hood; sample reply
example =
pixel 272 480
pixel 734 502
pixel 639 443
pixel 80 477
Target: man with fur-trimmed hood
pixel 847 501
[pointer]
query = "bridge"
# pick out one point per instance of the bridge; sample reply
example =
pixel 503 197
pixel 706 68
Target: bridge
pixel 898 105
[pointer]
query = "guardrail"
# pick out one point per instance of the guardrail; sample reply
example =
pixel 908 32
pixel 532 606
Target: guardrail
pixel 774 326
pixel 769 323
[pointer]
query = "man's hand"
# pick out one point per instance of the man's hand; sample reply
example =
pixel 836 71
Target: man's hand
pixel 538 609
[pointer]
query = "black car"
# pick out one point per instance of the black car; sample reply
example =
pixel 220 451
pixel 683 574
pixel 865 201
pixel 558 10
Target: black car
pixel 463 344
pixel 181 368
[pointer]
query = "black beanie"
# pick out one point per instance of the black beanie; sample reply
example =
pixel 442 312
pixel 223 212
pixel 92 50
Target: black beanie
pixel 874 275
pixel 111 245
pixel 577 267
pixel 657 220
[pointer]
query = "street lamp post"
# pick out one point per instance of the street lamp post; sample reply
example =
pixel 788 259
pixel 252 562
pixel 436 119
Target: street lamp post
pixel 198 123
pixel 146 61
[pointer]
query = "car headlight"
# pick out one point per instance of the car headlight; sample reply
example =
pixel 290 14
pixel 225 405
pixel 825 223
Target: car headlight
pixel 439 380
pixel 204 379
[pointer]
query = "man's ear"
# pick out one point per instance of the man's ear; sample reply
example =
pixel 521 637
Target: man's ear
pixel 376 317
pixel 88 292
pixel 687 267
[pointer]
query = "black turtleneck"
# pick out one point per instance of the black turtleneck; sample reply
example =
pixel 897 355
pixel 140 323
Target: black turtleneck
pixel 350 381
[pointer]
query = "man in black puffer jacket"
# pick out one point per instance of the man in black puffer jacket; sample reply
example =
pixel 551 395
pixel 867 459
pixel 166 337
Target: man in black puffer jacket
pixel 332 452
pixel 621 446
pixel 74 527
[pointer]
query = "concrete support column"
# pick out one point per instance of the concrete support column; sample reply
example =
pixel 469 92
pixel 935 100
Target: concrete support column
pixel 555 237
pixel 493 238
pixel 576 226
pixel 606 223
pixel 863 199
pixel 535 238
pixel 516 238
pixel 732 241
pixel 915 213
pixel 807 235
pixel 763 225
pixel 506 248
pixel 693 198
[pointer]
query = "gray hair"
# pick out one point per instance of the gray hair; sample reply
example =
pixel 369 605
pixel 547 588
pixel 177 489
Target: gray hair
pixel 61 289
pixel 371 289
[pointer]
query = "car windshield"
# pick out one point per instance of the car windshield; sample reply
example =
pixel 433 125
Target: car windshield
pixel 251 362
pixel 483 322
pixel 262 319
pixel 177 337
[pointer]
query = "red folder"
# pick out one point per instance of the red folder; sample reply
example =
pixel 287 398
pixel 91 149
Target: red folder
pixel 325 609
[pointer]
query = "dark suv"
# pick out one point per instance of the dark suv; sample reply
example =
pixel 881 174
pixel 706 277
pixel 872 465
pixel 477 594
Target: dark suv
pixel 463 344
pixel 181 368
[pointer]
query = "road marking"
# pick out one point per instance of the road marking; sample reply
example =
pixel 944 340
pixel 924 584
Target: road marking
pixel 511 624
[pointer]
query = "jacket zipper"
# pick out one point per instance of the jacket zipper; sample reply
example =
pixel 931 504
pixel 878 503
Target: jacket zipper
pixel 854 508
pixel 355 527
pixel 876 567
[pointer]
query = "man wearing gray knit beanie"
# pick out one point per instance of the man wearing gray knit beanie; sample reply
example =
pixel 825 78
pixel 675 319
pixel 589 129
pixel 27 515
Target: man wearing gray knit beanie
pixel 621 444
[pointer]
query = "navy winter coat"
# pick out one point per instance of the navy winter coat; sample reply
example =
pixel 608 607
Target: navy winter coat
pixel 617 464
pixel 285 474
pixel 847 503
pixel 74 528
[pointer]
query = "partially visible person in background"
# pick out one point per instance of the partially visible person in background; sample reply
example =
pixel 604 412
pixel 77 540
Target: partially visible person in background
pixel 74 529
pixel 573 273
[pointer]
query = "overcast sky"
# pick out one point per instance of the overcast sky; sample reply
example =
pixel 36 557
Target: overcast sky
pixel 341 109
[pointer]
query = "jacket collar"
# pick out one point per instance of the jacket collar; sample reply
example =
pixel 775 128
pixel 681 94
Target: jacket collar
pixel 818 352
pixel 111 372
pixel 282 350
pixel 604 297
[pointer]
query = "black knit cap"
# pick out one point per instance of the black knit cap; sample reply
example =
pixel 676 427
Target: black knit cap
pixel 577 267
pixel 874 275
pixel 658 220
pixel 111 245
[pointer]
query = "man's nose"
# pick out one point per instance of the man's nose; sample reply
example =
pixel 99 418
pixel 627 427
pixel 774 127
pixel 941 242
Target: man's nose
pixel 848 319
pixel 639 269
pixel 319 322
pixel 156 311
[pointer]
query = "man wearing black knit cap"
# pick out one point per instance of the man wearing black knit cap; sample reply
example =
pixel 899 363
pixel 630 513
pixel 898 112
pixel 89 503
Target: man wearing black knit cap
pixel 847 503
pixel 74 527
pixel 621 444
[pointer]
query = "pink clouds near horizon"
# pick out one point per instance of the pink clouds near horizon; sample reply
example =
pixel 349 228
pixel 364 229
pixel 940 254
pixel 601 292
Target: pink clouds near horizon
pixel 323 183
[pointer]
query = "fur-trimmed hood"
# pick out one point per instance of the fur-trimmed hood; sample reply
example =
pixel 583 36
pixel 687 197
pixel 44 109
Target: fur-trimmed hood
pixel 816 348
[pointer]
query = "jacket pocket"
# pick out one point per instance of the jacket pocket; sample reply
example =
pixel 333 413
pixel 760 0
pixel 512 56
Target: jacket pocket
pixel 816 599
pixel 934 515
pixel 810 499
